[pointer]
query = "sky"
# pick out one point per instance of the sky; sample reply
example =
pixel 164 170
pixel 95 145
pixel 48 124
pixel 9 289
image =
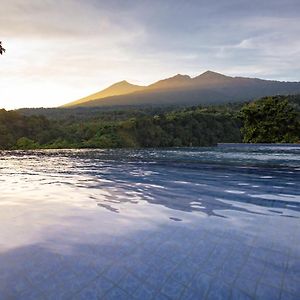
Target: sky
pixel 58 51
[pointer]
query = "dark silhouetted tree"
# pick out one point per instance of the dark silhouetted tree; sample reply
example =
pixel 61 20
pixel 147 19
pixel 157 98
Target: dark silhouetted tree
pixel 2 50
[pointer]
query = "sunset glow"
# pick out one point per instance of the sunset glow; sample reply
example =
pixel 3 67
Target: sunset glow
pixel 60 51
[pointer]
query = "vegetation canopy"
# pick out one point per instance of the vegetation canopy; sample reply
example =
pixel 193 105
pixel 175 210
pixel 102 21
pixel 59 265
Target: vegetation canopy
pixel 269 120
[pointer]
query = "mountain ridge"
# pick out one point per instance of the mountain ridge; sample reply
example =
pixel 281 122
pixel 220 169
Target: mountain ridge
pixel 208 87
pixel 119 88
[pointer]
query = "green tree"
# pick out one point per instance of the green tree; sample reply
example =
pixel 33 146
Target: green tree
pixel 270 120
pixel 26 143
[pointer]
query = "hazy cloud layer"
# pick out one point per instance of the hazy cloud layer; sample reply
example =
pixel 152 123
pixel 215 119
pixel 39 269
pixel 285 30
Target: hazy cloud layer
pixel 60 50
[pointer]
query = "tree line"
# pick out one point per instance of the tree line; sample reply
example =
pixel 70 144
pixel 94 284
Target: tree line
pixel 268 120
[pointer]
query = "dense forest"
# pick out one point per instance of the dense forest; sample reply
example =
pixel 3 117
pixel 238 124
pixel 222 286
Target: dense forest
pixel 271 120
pixel 268 120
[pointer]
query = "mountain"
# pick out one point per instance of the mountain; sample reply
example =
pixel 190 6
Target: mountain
pixel 207 88
pixel 176 81
pixel 119 88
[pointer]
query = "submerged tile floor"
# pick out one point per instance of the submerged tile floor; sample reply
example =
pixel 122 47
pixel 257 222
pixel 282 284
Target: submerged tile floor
pixel 80 225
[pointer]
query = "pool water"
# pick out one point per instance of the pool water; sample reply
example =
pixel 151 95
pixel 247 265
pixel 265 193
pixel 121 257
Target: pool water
pixel 187 223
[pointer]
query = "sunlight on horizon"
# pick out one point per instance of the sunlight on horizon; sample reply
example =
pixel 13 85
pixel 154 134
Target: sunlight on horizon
pixel 60 52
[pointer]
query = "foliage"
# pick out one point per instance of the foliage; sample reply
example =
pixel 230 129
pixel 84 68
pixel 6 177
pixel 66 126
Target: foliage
pixel 270 120
pixel 26 143
pixel 274 119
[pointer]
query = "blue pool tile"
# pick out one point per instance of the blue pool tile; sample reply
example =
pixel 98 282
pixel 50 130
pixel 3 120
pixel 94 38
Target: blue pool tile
pixel 213 265
pixel 59 294
pixel 37 275
pixel 115 273
pixel 160 296
pixel 218 291
pixel 294 264
pixel 222 252
pixel 101 264
pixel 153 243
pixel 48 285
pixel 253 269
pixel 31 263
pixel 171 251
pixel 284 249
pixel 116 293
pixel 293 268
pixel 190 294
pixel 157 262
pixel 145 292
pixel 156 279
pixel 237 294
pixel 129 283
pixel 65 277
pixel 95 290
pixel 194 264
pixel 242 256
pixel 200 284
pixel 126 248
pixel 50 266
pixel 203 251
pixel 165 267
pixel 88 293
pixel 277 259
pixel 184 272
pixel 102 284
pixel 72 285
pixel 237 259
pixel 291 285
pixel 229 272
pixel 246 284
pixel 260 253
pixel 273 277
pixel 84 249
pixel 291 275
pixel 140 238
pixel 173 289
pixel 129 262
pixel 65 273
pixel 15 285
pixel 88 274
pixel 288 296
pixel 4 295
pixel 266 292
pixel 141 271
pixel 78 266
pixel 31 294
pixel 54 267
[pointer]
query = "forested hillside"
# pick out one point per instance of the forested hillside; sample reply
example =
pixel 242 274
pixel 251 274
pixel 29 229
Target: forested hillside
pixel 272 119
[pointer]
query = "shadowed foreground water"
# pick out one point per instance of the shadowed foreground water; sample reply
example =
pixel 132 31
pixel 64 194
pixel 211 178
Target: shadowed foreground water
pixel 210 223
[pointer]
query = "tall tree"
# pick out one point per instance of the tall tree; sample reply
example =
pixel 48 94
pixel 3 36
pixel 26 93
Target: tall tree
pixel 2 50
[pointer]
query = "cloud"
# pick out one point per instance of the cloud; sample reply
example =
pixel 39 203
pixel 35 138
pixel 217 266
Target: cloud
pixel 78 46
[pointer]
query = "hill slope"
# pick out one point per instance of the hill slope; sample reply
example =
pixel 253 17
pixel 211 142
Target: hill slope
pixel 119 88
pixel 207 88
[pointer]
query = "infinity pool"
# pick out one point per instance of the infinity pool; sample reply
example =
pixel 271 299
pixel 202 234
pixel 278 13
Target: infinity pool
pixel 199 223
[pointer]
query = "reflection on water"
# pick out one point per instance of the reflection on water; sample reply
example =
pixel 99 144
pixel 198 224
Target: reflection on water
pixel 167 220
pixel 206 180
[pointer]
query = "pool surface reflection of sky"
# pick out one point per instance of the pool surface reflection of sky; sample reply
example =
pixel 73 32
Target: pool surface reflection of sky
pixel 199 223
